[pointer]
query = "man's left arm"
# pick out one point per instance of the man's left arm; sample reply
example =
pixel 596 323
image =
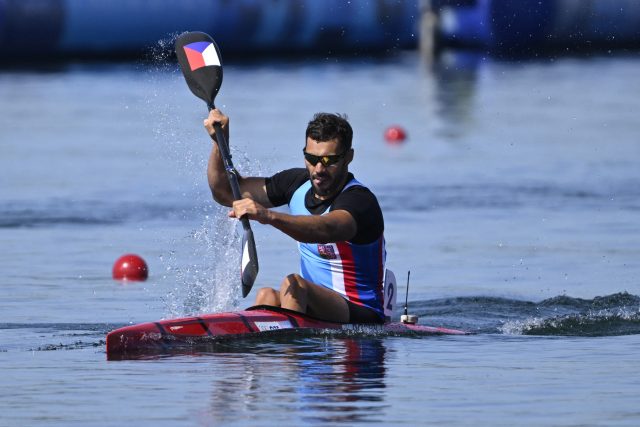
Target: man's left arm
pixel 335 226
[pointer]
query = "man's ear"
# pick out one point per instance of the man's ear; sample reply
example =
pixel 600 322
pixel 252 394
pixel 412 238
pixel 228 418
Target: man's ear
pixel 349 156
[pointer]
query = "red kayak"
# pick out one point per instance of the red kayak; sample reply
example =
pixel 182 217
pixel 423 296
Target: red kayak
pixel 165 335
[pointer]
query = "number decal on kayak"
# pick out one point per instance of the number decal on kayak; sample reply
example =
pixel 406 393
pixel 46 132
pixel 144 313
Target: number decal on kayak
pixel 390 289
pixel 389 296
pixel 273 326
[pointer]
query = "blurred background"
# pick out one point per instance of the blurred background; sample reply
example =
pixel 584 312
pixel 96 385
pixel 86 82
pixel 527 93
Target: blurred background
pixel 33 30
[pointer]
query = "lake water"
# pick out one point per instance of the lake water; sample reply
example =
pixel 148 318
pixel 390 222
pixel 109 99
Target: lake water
pixel 514 202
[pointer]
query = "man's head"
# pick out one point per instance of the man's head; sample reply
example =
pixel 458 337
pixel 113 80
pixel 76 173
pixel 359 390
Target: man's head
pixel 328 153
pixel 326 127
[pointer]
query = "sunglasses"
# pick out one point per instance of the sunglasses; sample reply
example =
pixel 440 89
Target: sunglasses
pixel 325 160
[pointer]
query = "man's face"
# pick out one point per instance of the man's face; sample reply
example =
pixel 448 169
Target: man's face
pixel 327 180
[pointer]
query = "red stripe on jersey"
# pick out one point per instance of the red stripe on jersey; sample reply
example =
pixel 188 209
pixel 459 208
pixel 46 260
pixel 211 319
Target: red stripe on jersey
pixel 348 271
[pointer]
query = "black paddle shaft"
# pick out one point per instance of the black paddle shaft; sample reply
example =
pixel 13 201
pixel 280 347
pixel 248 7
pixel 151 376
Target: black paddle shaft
pixel 232 173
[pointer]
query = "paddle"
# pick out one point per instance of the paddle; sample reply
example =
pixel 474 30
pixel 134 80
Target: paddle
pixel 199 59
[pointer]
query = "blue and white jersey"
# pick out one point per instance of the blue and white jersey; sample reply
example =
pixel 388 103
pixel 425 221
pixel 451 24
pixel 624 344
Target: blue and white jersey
pixel 355 271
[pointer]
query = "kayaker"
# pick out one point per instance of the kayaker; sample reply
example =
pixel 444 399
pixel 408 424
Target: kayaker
pixel 336 221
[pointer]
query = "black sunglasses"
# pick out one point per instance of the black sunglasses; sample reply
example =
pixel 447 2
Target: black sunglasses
pixel 325 160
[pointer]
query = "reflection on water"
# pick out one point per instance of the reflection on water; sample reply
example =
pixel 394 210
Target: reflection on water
pixel 456 76
pixel 328 379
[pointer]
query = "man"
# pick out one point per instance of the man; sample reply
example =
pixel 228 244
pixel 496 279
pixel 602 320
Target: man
pixel 335 219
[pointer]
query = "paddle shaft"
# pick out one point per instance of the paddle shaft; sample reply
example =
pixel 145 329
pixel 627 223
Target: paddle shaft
pixel 249 267
pixel 232 173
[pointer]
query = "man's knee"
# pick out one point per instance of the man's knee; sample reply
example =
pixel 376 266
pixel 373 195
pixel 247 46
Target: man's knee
pixel 293 284
pixel 267 296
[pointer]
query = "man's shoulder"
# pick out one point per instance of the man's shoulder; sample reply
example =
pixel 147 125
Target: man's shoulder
pixel 356 198
pixel 356 189
pixel 363 206
pixel 281 186
pixel 291 172
pixel 288 177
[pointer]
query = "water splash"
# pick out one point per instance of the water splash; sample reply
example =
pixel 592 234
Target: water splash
pixel 203 274
pixel 207 278
pixel 607 322
pixel 617 314
pixel 171 123
pixel 609 315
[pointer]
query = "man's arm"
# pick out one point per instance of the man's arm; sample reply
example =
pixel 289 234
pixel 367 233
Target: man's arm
pixel 250 187
pixel 335 226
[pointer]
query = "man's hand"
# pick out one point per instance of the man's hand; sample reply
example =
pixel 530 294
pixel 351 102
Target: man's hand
pixel 216 116
pixel 251 209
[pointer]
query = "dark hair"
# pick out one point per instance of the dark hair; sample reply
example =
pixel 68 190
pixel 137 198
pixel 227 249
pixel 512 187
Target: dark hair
pixel 326 127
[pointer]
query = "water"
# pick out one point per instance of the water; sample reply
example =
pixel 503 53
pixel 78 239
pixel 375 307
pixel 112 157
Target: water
pixel 514 202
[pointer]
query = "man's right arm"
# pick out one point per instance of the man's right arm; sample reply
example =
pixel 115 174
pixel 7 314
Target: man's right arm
pixel 250 187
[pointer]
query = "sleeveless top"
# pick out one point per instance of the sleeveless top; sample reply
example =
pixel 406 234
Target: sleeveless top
pixel 355 271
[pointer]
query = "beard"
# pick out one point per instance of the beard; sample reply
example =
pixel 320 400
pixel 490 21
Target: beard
pixel 326 184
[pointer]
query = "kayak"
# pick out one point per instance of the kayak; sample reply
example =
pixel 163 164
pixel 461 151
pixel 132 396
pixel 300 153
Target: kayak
pixel 167 335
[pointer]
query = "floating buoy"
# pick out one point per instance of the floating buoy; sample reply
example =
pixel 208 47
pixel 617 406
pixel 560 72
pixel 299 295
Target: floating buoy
pixel 395 135
pixel 130 267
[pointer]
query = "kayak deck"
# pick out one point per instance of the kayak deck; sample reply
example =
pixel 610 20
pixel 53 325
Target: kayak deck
pixel 154 337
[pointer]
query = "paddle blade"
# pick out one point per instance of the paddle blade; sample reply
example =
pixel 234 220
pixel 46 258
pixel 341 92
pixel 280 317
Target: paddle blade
pixel 199 59
pixel 249 263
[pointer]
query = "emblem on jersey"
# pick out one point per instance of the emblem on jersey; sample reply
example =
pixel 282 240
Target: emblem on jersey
pixel 327 251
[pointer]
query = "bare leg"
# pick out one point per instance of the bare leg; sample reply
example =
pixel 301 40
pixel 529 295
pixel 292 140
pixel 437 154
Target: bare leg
pixel 303 296
pixel 268 296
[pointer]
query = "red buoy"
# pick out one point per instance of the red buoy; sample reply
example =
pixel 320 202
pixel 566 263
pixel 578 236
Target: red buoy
pixel 395 135
pixel 130 267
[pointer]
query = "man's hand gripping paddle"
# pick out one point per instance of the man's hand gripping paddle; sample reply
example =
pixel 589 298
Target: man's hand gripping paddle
pixel 199 59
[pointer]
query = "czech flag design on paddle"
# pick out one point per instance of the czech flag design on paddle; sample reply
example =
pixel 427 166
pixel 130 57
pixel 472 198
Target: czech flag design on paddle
pixel 201 54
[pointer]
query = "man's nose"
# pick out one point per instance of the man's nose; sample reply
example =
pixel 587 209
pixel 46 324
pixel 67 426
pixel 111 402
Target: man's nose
pixel 319 167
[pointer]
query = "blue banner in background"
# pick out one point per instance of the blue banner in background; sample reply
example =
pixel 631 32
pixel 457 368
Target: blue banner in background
pixel 529 27
pixel 127 27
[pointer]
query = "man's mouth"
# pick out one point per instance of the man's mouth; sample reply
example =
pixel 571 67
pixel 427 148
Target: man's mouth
pixel 319 179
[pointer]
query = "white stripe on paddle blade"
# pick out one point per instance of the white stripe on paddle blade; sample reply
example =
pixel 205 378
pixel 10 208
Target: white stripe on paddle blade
pixel 245 256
